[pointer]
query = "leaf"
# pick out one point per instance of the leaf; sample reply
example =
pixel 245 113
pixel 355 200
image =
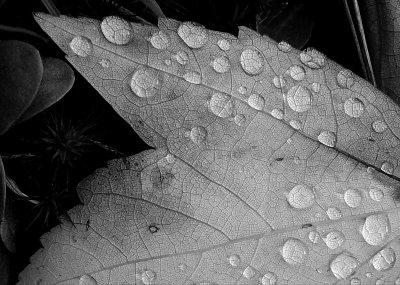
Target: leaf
pixel 243 186
pixel 154 7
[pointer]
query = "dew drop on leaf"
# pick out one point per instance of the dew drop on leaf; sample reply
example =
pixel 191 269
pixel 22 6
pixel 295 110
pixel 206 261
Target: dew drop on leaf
pixel 380 281
pixel 242 90
pixel 375 229
pixel 343 266
pixel 284 46
pixel 345 78
pixel 314 236
pixel 316 87
pixel 334 213
pixel 327 138
pixel 192 77
pixel 240 119
pixel 355 281
pixel 295 124
pixel 160 40
pixel 269 278
pixel 182 267
pixel 234 260
pixel 249 272
pixel 379 126
pixel 334 239
pixel 81 46
pixel 279 82
pixel 294 251
pixel 256 101
pixel 297 72
pixel 376 194
pixel 252 61
pixel 277 113
pixel 352 197
pixel 224 44
pixel 148 276
pixel 167 62
pixel 193 34
pixel 354 107
pixel 384 260
pixel 387 167
pixel 87 280
pixel 221 64
pixel 198 134
pixel 301 197
pixel 221 105
pixel 145 82
pixel 397 282
pixel 116 30
pixel 170 158
pixel 312 58
pixel 299 98
pixel 182 57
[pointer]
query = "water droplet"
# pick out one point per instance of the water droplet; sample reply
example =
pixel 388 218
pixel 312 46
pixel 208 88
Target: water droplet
pixel 193 34
pixel 397 282
pixel 334 239
pixel 252 61
pixel 87 280
pixel 355 281
pixel 116 30
pixel 387 167
pixel 294 251
pixel 379 126
pixel 314 236
pixel 249 272
pixel 327 138
pixel 334 213
pixel 81 46
pixel 354 107
pixel 369 275
pixel 345 78
pixel 352 197
pixel 234 260
pixel 296 160
pixel 279 82
pixel 269 278
pixel 301 197
pixel 167 62
pixel 384 260
pixel 160 40
pixel 256 101
pixel 182 266
pixel 105 63
pixel 299 98
pixel 380 281
pixel 145 82
pixel 182 57
pixel 192 77
pixel 224 44
pixel 277 113
pixel 198 134
pixel 376 194
pixel 312 58
pixel 221 105
pixel 297 72
pixel 242 90
pixel 375 229
pixel 284 46
pixel 343 266
pixel 170 158
pixel 148 277
pixel 221 64
pixel 240 119
pixel 295 124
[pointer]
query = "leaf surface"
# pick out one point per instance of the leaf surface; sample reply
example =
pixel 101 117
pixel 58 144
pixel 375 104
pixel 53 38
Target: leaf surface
pixel 271 165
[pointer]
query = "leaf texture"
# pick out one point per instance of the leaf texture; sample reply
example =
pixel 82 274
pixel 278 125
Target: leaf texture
pixel 272 166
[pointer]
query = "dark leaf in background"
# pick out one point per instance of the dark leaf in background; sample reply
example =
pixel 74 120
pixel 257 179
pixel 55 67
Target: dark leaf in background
pixel 5 267
pixel 2 191
pixel 154 7
pixel 58 78
pixel 21 71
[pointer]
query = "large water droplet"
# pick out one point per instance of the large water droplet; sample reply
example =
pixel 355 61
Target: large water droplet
pixel 354 107
pixel 327 138
pixel 182 57
pixel 252 61
pixel 299 98
pixel 334 213
pixel 234 260
pixel 269 278
pixel 192 77
pixel 314 236
pixel 116 30
pixel 345 78
pixel 284 46
pixel 355 281
pixel 375 229
pixel 312 58
pixel 334 239
pixel 249 272
pixel 81 46
pixel 87 280
pixel 376 194
pixel 294 251
pixel 160 40
pixel 279 81
pixel 352 197
pixel 224 44
pixel 297 72
pixel 343 266
pixel 295 124
pixel 384 260
pixel 387 167
pixel 301 197
pixel 256 101
pixel 193 34
pixel 240 119
pixel 277 113
pixel 145 82
pixel 148 276
pixel 221 105
pixel 379 126
pixel 221 64
pixel 198 134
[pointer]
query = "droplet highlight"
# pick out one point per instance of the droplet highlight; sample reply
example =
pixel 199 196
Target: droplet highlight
pixel 234 260
pixel 81 46
pixel 294 251
pixel 221 105
pixel 334 213
pixel 252 61
pixel 334 239
pixel 376 194
pixel 160 40
pixel 327 138
pixel 221 64
pixel 314 237
pixel 295 124
pixel 375 229
pixel 284 46
pixel 249 272
pixel 354 107
pixel 387 167
pixel 345 78
pixel 352 197
pixel 198 134
pixel 192 77
pixel 301 197
pixel 355 281
pixel 277 113
pixel 384 260
pixel 379 126
pixel 299 98
pixel 116 30
pixel 106 63
pixel 343 266
pixel 193 34
pixel 312 58
pixel 145 82
pixel 224 44
pixel 87 280
pixel 148 277
pixel 297 72
pixel 269 278
pixel 316 87
pixel 279 81
pixel 182 57
pixel 242 90
pixel 256 101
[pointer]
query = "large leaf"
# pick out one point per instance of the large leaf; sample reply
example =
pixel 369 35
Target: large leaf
pixel 267 167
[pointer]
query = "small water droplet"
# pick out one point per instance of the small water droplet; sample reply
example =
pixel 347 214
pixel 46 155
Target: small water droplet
pixel 81 46
pixel 397 282
pixel 370 170
pixel 252 61
pixel 240 119
pixel 380 281
pixel 170 158
pixel 375 229
pixel 299 98
pixel 277 113
pixel 314 236
pixel 105 63
pixel 221 105
pixel 343 266
pixel 221 64
pixel 148 277
pixel 353 198
pixel 379 126
pixel 334 239
pixel 295 124
pixel 294 251
pixel 269 278
pixel 387 167
pixel 284 46
pixel 182 266
pixel 355 281
pixel 376 194
pixel 384 260
pixel 145 82
pixel 354 107
pixel 249 272
pixel 224 44
pixel 234 260
pixel 198 134
pixel 256 101
pixel 182 57
pixel 167 62
pixel 192 77
pixel 301 197
pixel 116 30
pixel 87 280
pixel 327 138
pixel 297 72
pixel 160 40
pixel 345 78
pixel 242 90
pixel 316 87
pixel 334 213
pixel 279 81
pixel 312 58
pixel 193 34
pixel 369 275
pixel 296 160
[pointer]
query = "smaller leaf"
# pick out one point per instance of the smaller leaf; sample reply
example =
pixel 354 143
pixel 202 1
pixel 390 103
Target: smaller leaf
pixel 58 79
pixel 154 7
